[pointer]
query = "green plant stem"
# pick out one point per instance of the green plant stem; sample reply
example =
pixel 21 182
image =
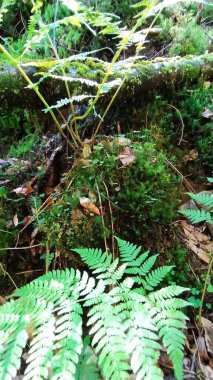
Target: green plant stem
pixel 204 289
pixel 74 134
pixel 114 60
pixel 25 76
pixel 124 79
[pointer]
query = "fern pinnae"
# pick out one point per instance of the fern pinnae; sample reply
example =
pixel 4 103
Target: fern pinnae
pixel 203 199
pixel 198 216
pixel 42 343
pixel 10 356
pixel 69 342
pixel 128 251
pixel 155 277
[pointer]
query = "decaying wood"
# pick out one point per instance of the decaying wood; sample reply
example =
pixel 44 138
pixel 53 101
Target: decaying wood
pixel 144 76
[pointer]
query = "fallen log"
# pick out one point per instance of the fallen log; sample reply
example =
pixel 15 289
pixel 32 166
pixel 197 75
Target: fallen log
pixel 163 74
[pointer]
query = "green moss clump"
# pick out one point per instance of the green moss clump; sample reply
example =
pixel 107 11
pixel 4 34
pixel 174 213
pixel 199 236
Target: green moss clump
pixel 143 198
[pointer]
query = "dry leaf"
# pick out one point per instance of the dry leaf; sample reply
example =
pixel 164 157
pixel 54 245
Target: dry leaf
pixel 193 154
pixel 92 196
pixel 201 347
pixel 208 328
pixel 34 233
pixel 197 241
pixel 122 141
pixel 26 189
pixel 86 149
pixel 15 220
pixel 207 372
pixel 88 205
pixel 126 156
pixel 26 219
pixel 76 217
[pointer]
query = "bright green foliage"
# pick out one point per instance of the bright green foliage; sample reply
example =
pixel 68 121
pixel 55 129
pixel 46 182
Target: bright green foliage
pixel 203 215
pixel 129 322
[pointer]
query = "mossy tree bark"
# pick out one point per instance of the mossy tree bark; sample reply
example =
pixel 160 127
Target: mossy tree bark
pixel 144 77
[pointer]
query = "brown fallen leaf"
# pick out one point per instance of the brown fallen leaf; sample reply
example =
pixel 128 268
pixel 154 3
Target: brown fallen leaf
pixel 24 190
pixel 88 205
pixel 27 188
pixel 126 156
pixel 197 241
pixel 207 372
pixel 201 347
pixel 208 328
pixel 192 155
pixel 15 220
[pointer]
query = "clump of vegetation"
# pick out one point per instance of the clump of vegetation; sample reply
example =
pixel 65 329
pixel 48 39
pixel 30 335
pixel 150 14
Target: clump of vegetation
pixel 143 193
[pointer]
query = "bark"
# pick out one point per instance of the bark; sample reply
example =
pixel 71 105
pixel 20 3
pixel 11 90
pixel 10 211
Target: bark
pixel 145 77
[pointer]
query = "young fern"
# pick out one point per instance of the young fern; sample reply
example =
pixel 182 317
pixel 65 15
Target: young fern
pixel 204 215
pixel 129 320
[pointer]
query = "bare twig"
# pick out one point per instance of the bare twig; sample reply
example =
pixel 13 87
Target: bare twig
pixel 188 186
pixel 102 217
pixel 20 248
pixel 7 274
pixel 181 119
pixel 112 224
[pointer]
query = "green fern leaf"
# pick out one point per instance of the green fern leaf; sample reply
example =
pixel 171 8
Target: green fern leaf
pixel 198 216
pixel 87 367
pixel 10 356
pixel 204 199
pixel 155 277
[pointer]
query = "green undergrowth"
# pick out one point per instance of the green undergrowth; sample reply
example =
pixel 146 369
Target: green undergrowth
pixel 138 200
pixel 185 29
pixel 17 124
pixel 178 124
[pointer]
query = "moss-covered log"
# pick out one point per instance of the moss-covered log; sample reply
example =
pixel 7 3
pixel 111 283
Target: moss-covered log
pixel 144 76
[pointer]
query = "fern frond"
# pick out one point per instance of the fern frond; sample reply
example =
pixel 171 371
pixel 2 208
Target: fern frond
pixel 10 356
pixel 198 216
pixel 108 339
pixel 86 81
pixel 155 277
pixel 102 265
pixel 203 198
pixel 65 101
pixel 126 322
pixel 38 364
pixel 128 251
pixel 142 338
pixel 69 343
pixel 166 293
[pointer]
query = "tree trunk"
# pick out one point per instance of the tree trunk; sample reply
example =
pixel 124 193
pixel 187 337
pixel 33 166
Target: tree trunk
pixel 145 76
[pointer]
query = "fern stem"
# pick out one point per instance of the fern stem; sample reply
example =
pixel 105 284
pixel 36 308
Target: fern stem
pixel 204 288
pixel 25 76
pixel 74 134
pixel 126 74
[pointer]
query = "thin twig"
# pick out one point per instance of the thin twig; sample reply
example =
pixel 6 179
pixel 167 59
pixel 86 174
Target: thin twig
pixel 31 271
pixel 180 174
pixel 181 119
pixel 13 248
pixel 112 224
pixel 7 274
pixel 102 217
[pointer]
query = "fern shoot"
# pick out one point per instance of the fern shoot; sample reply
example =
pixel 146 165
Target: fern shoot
pixel 129 318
